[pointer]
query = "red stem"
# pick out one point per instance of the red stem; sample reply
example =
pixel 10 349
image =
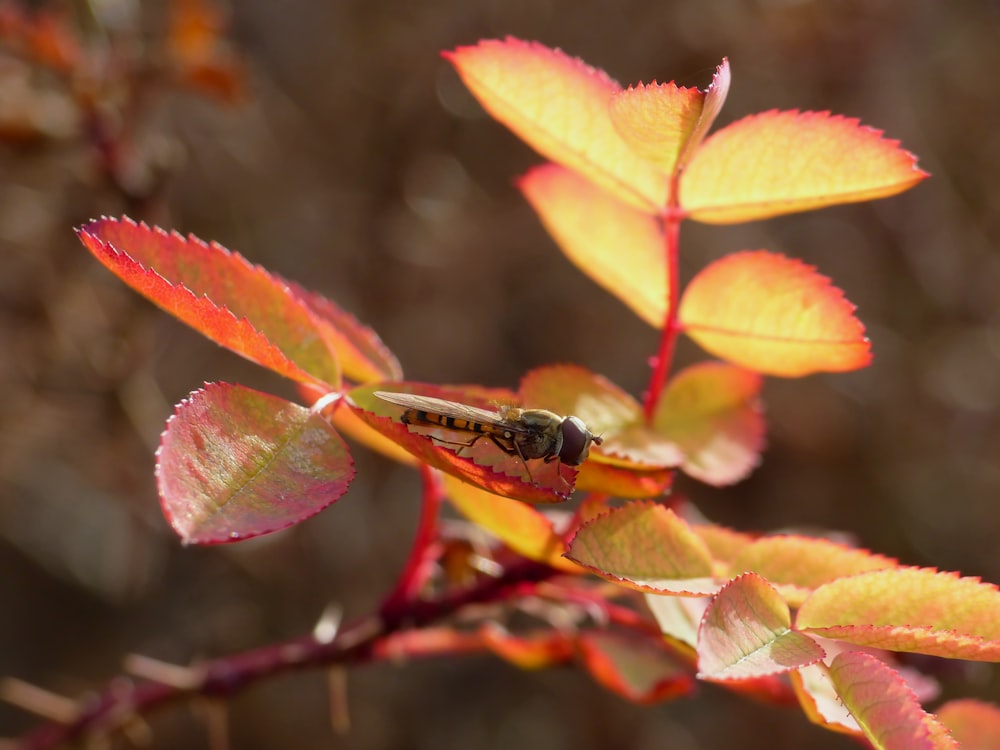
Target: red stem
pixel 668 338
pixel 423 552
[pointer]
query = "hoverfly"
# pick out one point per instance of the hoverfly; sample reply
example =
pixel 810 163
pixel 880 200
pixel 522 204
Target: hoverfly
pixel 525 433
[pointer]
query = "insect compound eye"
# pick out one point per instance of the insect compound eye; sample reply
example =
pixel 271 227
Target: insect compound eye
pixel 576 441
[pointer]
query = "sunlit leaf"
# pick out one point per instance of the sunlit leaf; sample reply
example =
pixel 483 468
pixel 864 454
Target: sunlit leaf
pixel 235 463
pixel 886 709
pixel 218 293
pixel 974 724
pixel 908 609
pixel 470 457
pixel 712 412
pixel 522 528
pixel 571 389
pixel 607 410
pixel 782 162
pixel 746 633
pixel 799 564
pixel 633 665
pixel 724 544
pixel 616 245
pixel 646 547
pixel 558 105
pixel 362 355
pixel 656 120
pixel 621 481
pixel 774 315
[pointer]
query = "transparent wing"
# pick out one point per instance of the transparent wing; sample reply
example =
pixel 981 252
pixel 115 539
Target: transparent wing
pixel 450 409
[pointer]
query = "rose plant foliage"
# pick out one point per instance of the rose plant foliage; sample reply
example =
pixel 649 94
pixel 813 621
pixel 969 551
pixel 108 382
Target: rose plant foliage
pixel 786 618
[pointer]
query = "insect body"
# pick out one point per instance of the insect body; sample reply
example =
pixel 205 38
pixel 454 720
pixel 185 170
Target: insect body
pixel 525 433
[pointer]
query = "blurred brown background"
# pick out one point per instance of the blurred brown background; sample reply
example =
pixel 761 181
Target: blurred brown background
pixel 359 166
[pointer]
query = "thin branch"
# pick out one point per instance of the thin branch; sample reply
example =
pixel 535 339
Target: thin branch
pixel 423 552
pixel 357 643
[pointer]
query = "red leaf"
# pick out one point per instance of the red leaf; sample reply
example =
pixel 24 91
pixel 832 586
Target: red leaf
pixel 219 294
pixel 235 463
pixel 361 353
pixel 774 315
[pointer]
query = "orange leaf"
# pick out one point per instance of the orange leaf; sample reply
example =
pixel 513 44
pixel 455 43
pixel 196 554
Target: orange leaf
pixel 613 243
pixel 558 105
pixel 53 42
pixel 746 633
pixel 522 528
pixel 633 665
pixel 218 293
pixel 773 314
pixel 782 162
pixel 201 56
pixel 657 120
pixel 622 481
pixel 646 547
pixel 711 411
pixel 798 564
pixel 908 609
pixel 975 725
pixel 533 651
pixel 884 706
